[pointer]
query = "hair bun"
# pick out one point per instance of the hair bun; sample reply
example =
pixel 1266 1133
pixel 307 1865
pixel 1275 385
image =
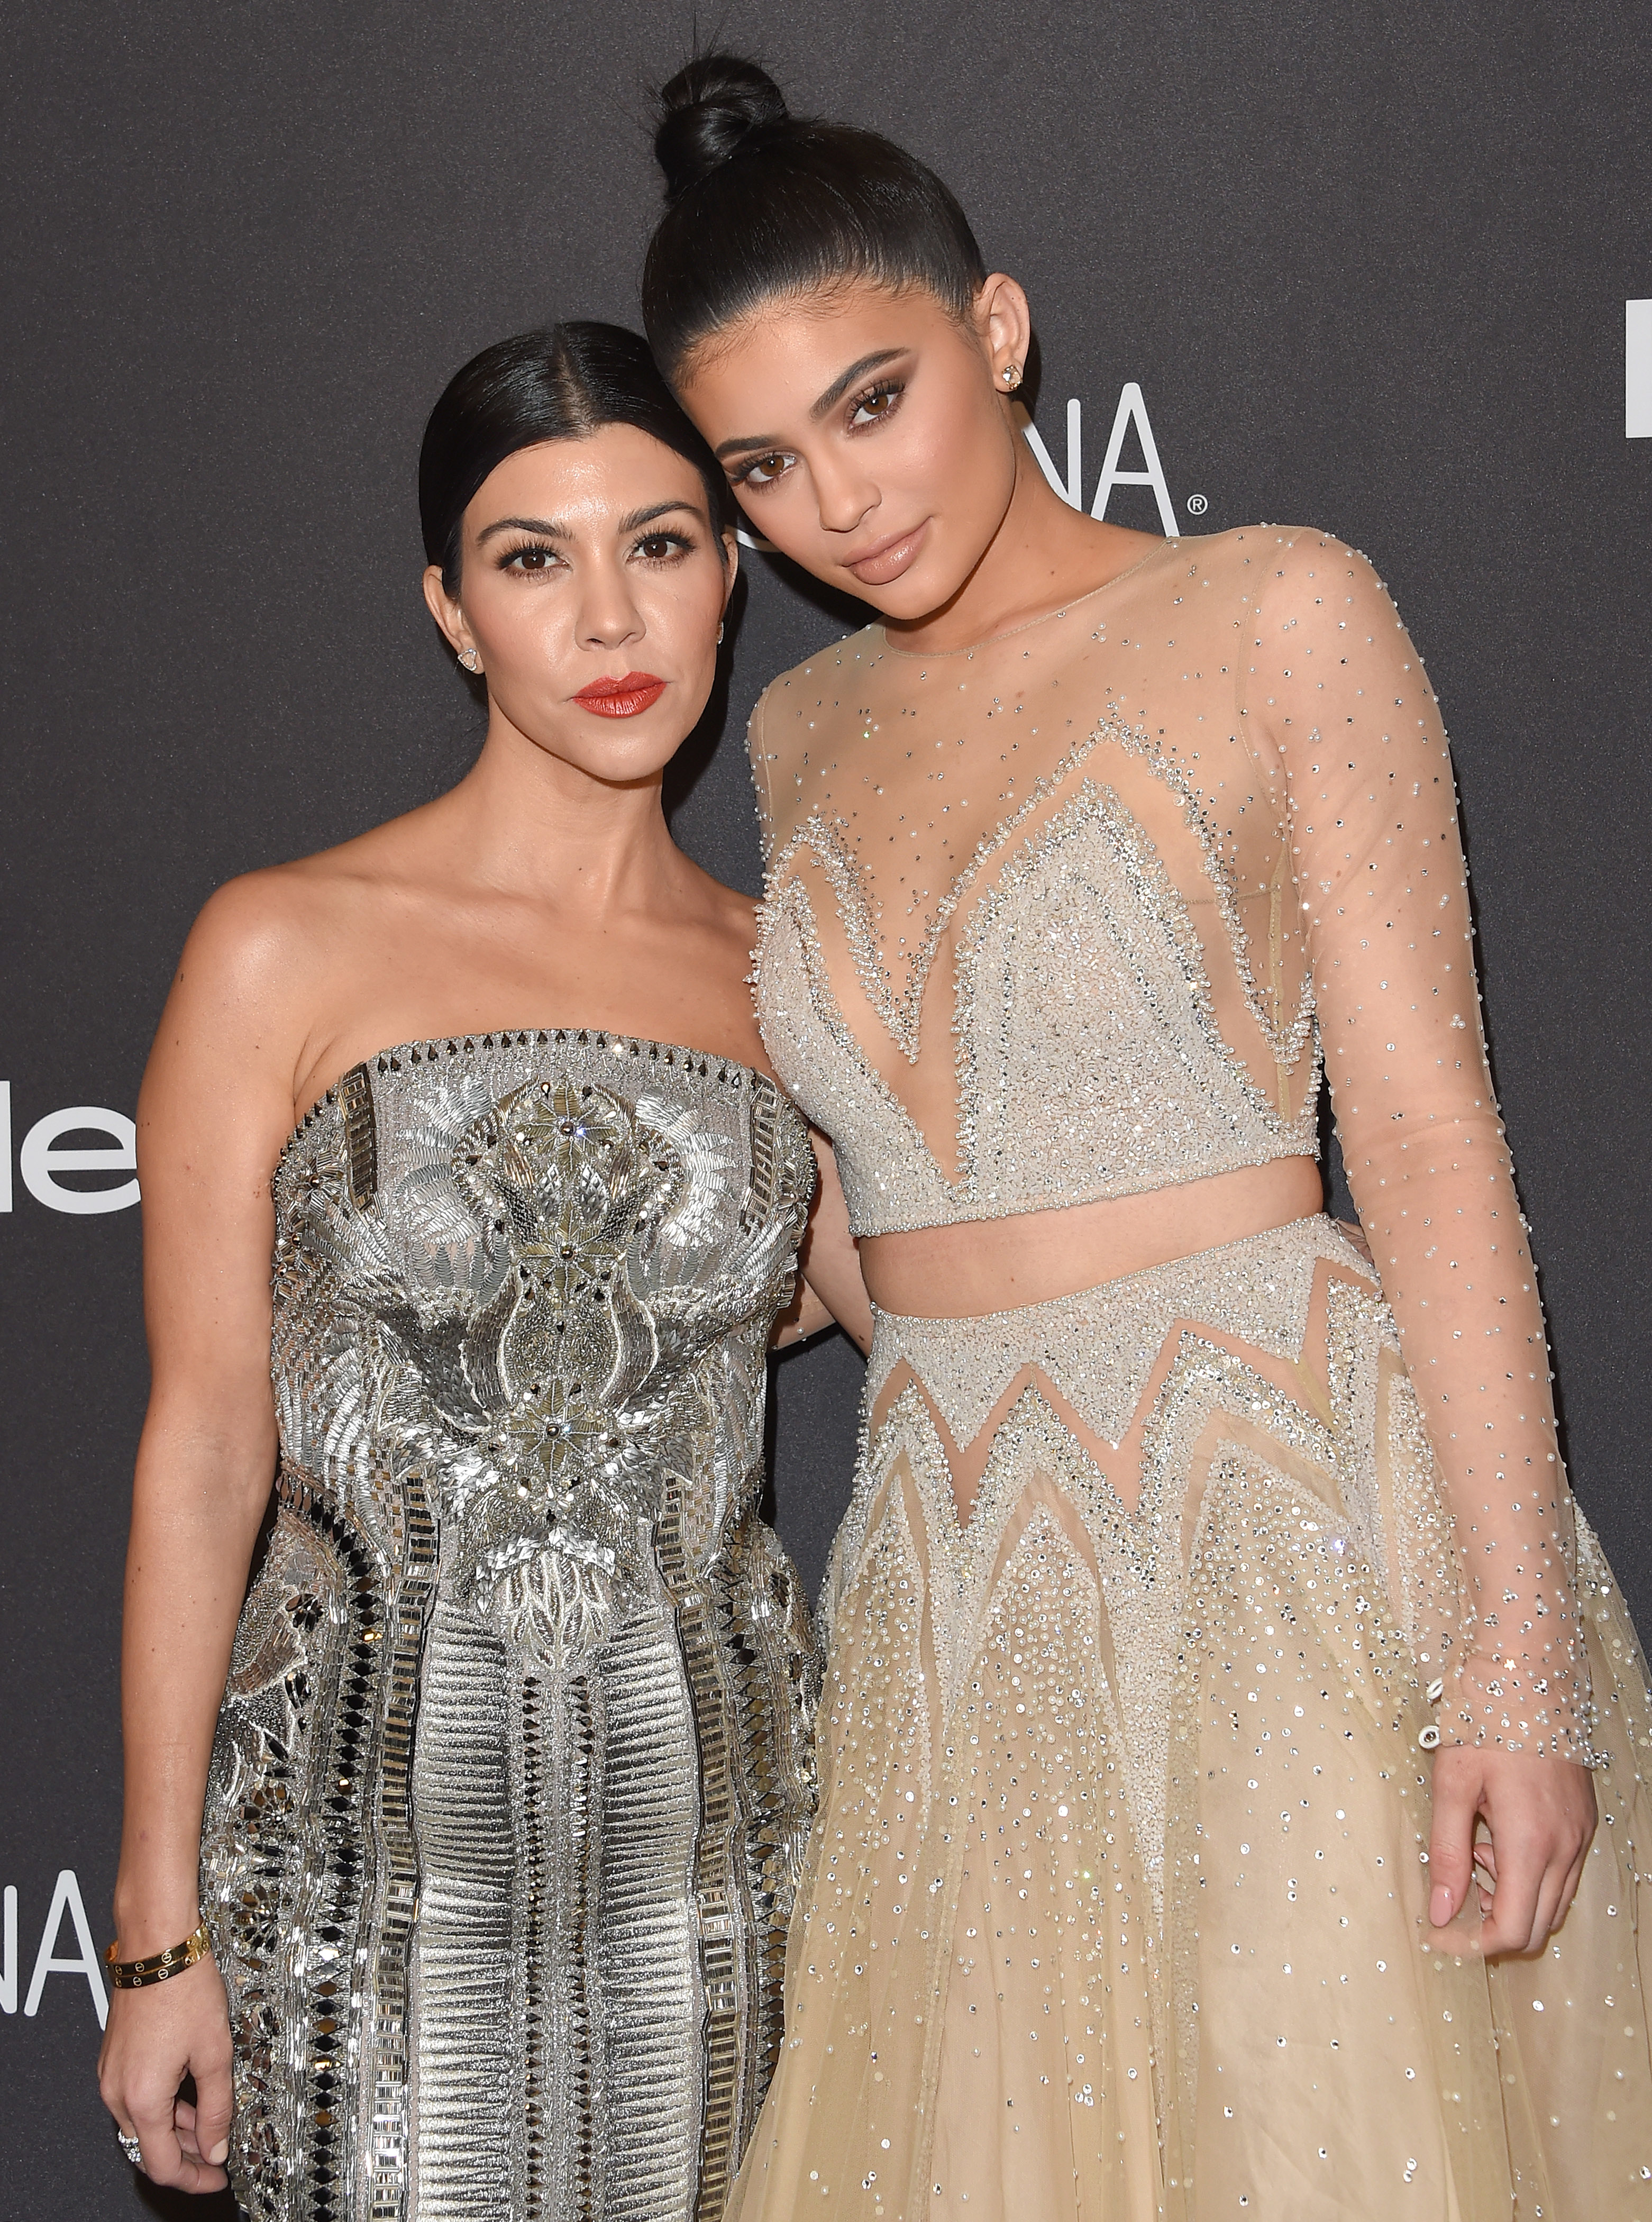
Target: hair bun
pixel 708 112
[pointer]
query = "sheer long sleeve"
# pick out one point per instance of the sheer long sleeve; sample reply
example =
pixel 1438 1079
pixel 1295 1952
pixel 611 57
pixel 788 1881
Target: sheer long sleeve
pixel 761 777
pixel 1337 706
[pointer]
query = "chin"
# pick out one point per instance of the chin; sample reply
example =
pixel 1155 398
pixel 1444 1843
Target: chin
pixel 644 759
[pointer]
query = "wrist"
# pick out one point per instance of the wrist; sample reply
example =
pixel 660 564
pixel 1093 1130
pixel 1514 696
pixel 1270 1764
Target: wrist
pixel 1522 1707
pixel 126 1973
pixel 154 1913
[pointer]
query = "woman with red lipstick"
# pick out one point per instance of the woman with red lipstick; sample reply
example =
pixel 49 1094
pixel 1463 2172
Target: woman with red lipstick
pixel 1218 1666
pixel 457 1859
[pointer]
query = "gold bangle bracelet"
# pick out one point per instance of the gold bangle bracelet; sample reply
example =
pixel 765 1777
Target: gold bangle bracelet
pixel 138 1974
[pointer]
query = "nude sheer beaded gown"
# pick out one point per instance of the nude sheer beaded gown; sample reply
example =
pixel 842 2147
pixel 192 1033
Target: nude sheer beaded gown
pixel 1153 1598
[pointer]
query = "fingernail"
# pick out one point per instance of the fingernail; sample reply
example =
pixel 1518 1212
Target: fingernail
pixel 1440 1905
pixel 220 2152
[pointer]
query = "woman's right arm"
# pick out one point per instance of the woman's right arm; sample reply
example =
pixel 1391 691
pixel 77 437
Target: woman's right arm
pixel 216 1105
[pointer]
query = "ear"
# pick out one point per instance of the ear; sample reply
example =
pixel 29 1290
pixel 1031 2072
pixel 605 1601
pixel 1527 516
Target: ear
pixel 448 614
pixel 731 564
pixel 1004 321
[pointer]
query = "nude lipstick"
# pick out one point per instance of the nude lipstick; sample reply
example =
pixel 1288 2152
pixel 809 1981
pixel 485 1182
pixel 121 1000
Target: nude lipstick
pixel 622 698
pixel 881 565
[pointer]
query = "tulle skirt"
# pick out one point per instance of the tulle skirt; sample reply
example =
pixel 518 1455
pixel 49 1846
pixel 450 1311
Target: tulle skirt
pixel 1116 1899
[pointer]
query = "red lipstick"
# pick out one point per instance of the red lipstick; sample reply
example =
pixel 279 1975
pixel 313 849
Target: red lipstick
pixel 622 698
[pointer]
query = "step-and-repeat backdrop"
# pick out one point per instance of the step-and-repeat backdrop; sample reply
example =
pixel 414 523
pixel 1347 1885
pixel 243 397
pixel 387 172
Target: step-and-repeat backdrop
pixel 1386 270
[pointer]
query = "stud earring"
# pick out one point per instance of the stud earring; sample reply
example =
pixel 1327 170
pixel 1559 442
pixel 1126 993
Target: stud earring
pixel 469 659
pixel 720 636
pixel 1012 375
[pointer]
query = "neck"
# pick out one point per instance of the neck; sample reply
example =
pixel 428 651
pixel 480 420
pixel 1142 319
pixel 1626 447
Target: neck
pixel 532 824
pixel 1042 554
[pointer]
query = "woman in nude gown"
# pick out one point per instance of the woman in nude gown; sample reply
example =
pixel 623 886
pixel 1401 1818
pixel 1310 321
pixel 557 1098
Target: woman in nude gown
pixel 1230 1792
pixel 469 1202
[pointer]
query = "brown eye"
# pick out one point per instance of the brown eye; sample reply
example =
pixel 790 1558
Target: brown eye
pixel 763 470
pixel 872 408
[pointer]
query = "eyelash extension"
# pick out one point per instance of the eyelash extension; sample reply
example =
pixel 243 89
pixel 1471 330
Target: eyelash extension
pixel 893 388
pixel 741 475
pixel 507 556
pixel 889 388
pixel 681 542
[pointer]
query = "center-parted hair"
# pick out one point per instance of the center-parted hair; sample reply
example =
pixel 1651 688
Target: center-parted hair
pixel 563 383
pixel 762 202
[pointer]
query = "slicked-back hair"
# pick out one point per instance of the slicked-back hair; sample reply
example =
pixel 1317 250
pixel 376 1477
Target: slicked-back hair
pixel 562 383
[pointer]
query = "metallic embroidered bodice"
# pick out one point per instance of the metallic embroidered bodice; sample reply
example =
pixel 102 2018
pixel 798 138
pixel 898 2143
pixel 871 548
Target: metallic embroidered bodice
pixel 572 1268
pixel 515 1749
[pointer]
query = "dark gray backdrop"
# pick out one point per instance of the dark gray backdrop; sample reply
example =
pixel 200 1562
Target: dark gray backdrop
pixel 1367 265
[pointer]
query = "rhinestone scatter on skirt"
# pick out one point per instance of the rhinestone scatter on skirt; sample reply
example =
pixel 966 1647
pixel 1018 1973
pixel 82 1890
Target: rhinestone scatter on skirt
pixel 513 1770
pixel 1117 1896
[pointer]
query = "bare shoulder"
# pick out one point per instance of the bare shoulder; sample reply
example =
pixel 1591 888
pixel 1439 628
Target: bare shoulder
pixel 224 1044
pixel 283 919
pixel 251 934
pixel 248 975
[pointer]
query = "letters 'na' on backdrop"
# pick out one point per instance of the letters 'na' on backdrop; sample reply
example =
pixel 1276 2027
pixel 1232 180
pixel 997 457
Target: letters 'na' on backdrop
pixel 1368 268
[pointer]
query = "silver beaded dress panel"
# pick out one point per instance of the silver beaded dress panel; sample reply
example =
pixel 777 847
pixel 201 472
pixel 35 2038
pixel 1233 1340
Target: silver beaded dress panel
pixel 514 1774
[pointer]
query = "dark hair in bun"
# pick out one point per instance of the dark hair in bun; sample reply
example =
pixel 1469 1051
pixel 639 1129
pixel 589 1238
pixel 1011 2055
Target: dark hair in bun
pixel 560 383
pixel 761 202
pixel 708 112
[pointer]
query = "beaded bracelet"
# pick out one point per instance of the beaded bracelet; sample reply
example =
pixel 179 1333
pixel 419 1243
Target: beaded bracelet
pixel 138 1974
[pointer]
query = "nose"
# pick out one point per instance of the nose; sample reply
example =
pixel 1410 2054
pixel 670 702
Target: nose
pixel 845 495
pixel 608 615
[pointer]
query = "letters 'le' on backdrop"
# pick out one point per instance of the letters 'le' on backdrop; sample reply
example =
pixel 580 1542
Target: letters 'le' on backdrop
pixel 1388 271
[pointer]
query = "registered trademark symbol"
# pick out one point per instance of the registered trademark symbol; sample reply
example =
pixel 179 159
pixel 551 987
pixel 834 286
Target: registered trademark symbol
pixel 1197 504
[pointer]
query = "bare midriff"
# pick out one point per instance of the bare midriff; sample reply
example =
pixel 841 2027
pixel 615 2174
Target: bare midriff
pixel 998 1264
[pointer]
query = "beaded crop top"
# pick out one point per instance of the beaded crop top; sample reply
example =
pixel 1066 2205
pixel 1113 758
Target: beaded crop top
pixel 1067 915
pixel 1130 1008
pixel 1130 996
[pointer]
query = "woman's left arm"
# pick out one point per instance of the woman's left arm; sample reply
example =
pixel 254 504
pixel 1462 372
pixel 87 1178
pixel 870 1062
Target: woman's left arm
pixel 829 1284
pixel 1336 695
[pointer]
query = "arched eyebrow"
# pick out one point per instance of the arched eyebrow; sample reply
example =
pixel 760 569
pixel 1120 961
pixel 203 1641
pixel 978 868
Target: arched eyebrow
pixel 822 407
pixel 548 529
pixel 639 517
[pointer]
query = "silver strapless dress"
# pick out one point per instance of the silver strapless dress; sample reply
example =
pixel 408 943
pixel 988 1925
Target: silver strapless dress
pixel 514 1774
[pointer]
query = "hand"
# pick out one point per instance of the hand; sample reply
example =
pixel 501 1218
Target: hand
pixel 1541 1814
pixel 155 2037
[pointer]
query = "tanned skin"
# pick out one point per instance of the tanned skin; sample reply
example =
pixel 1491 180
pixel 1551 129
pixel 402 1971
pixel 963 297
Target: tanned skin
pixel 544 890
